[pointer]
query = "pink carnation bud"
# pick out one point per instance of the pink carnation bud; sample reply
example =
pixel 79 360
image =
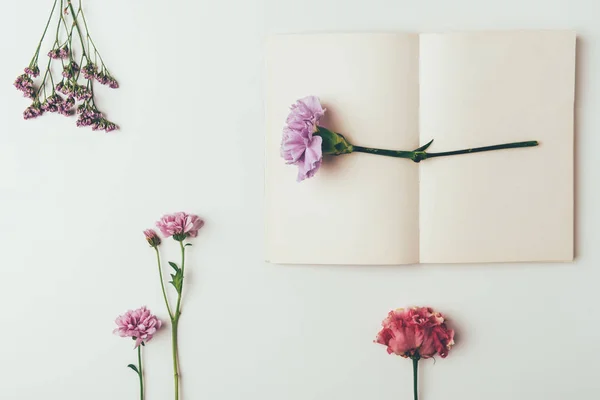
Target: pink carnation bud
pixel 152 237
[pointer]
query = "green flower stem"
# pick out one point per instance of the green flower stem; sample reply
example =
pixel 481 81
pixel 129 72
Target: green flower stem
pixel 162 283
pixel 87 33
pixel 415 377
pixel 531 143
pixel 174 331
pixel 418 155
pixel 140 372
pixel 37 50
pixel 43 84
pixel 175 326
pixel 382 152
pixel 76 24
pixel 58 24
pixel 178 308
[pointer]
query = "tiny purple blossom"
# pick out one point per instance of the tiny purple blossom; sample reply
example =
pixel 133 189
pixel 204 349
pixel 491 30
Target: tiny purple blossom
pixel 70 70
pixel 90 71
pixel 24 83
pixel 64 52
pixel 106 79
pixel 110 126
pixel 53 103
pixel 33 111
pixel 33 71
pixel 57 54
pixel 113 84
pixel 66 108
pixel 65 88
pixel 81 92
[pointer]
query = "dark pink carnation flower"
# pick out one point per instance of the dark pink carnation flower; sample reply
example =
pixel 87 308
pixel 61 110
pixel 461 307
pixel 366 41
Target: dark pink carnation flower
pixel 416 333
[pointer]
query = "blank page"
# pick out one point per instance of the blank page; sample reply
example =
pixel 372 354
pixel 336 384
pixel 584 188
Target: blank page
pixel 480 89
pixel 358 208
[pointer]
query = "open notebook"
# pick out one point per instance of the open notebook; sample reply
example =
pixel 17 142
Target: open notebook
pixel 399 91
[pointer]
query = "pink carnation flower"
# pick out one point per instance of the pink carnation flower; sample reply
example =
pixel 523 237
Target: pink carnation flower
pixel 139 325
pixel 299 145
pixel 416 333
pixel 180 225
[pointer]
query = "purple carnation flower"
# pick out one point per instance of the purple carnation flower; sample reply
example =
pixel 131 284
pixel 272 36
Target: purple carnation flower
pixel 299 145
pixel 305 113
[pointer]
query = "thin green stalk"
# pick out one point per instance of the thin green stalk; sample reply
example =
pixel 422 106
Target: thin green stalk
pixel 174 332
pixel 89 37
pixel 76 24
pixel 162 283
pixel 531 143
pixel 420 155
pixel 43 84
pixel 37 50
pixel 178 308
pixel 58 25
pixel 140 372
pixel 175 326
pixel 382 152
pixel 415 377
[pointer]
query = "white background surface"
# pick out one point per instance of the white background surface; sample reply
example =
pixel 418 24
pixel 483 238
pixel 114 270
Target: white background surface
pixel 74 203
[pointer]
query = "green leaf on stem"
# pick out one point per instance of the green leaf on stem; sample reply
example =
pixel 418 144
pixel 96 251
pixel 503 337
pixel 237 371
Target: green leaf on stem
pixel 177 280
pixel 423 148
pixel 133 367
pixel 175 267
pixel 187 244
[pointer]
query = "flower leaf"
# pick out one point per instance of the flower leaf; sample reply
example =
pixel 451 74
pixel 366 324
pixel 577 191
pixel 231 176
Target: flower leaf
pixel 177 280
pixel 188 244
pixel 175 267
pixel 424 147
pixel 133 367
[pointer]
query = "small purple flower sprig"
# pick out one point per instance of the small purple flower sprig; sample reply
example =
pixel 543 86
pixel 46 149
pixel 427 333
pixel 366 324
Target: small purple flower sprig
pixel 72 93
